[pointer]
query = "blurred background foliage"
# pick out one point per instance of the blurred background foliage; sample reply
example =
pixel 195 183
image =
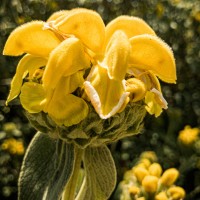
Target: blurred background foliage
pixel 178 23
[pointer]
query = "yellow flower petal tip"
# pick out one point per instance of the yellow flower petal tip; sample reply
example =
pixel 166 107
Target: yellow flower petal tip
pixel 131 26
pixel 140 173
pixel 151 53
pixel 169 176
pixel 57 16
pixel 117 55
pixel 31 38
pixel 85 24
pixel 155 170
pixel 152 106
pixel 150 183
pixel 161 196
pixel 176 192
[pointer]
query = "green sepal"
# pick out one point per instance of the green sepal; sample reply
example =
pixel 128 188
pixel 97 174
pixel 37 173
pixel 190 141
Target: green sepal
pixel 46 168
pixel 41 122
pixel 100 174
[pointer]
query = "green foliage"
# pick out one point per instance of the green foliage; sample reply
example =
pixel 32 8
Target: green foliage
pixel 44 170
pixel 100 177
pixel 51 164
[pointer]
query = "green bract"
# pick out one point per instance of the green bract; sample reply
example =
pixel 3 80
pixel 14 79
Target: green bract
pixel 93 130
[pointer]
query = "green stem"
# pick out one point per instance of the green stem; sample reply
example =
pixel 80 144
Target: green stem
pixel 70 189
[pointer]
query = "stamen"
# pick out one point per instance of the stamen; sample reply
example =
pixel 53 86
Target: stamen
pixel 50 26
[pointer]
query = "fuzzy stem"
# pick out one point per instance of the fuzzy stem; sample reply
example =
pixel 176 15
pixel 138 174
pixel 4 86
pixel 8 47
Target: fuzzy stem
pixel 70 189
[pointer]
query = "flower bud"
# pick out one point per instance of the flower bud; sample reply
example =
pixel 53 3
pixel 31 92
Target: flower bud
pixel 140 173
pixel 150 155
pixel 141 198
pixel 134 190
pixel 161 196
pixel 136 88
pixel 169 176
pixel 176 193
pixel 189 135
pixel 150 183
pixel 146 162
pixel 155 170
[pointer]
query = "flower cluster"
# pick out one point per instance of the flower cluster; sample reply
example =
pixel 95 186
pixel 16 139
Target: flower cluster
pixel 189 135
pixel 13 146
pixel 73 59
pixel 146 180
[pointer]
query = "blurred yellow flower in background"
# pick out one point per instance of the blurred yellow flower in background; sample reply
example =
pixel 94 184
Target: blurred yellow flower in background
pixel 13 146
pixel 188 135
pixel 150 182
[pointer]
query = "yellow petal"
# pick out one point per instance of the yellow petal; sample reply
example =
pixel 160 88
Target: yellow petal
pixel 169 176
pixel 106 95
pixel 148 78
pixel 57 15
pixel 27 63
pixel 31 38
pixel 131 26
pixel 150 53
pixel 136 88
pixel 152 106
pixel 67 109
pixel 117 55
pixel 176 192
pixel 151 81
pixel 86 25
pixel 65 60
pixel 32 96
pixel 150 183
pixel 71 83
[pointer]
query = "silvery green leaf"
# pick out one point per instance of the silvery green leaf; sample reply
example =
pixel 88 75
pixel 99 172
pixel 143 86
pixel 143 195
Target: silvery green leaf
pixel 64 170
pixel 100 174
pixel 45 162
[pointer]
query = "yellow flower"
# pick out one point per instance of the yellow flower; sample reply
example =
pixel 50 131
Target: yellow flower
pixel 144 161
pixel 169 177
pixel 131 48
pixel 140 173
pixel 155 169
pixel 125 58
pixel 161 196
pixel 134 190
pixel 58 49
pixel 189 135
pixel 150 155
pixel 13 146
pixel 176 193
pixel 150 183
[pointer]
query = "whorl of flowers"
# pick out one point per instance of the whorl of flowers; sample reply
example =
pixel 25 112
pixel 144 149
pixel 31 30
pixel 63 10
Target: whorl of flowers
pixel 147 180
pixel 189 135
pixel 73 59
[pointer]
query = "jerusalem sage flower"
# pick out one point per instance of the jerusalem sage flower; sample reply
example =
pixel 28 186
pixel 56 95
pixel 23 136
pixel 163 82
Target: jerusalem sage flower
pixel 84 85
